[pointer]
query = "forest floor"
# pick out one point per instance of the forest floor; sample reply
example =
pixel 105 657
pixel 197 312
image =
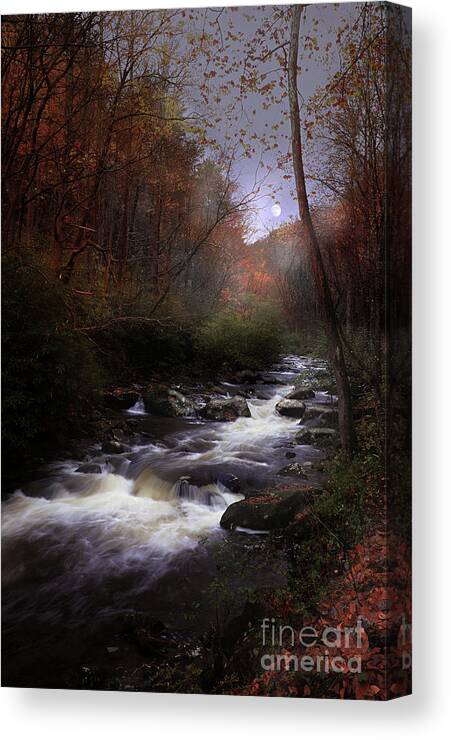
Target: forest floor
pixel 373 592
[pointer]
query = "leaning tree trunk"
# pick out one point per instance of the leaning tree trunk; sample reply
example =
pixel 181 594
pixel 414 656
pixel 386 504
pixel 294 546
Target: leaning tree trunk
pixel 335 344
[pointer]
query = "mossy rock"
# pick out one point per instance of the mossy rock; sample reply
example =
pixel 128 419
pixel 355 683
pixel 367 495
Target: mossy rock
pixel 294 470
pixel 317 436
pixel 300 394
pixel 225 409
pixel 268 512
pixel 164 401
pixel 113 447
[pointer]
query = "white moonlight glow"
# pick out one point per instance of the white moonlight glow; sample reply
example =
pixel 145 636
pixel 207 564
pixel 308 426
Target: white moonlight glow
pixel 276 210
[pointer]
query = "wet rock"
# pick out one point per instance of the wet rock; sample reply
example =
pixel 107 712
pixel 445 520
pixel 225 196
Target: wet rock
pixel 300 394
pixel 316 435
pixel 189 491
pixel 304 437
pixel 290 407
pixel 231 482
pixel 294 470
pixel 283 445
pixel 272 380
pixel 165 401
pixel 327 416
pixel 324 435
pixel 179 404
pixel 93 468
pixel 290 455
pixel 246 393
pixel 266 513
pixel 263 393
pixel 225 409
pixel 118 464
pixel 112 447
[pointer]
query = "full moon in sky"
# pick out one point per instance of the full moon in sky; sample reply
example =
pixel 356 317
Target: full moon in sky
pixel 276 210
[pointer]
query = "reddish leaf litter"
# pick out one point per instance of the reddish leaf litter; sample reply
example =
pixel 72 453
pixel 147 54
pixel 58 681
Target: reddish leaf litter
pixel 369 611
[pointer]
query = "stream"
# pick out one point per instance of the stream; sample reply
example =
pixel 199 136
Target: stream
pixel 81 549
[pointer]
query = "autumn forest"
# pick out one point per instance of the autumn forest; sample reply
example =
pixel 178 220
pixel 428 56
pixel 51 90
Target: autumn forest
pixel 206 335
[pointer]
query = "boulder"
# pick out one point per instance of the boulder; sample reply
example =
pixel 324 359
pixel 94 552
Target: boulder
pixel 164 401
pixel 324 435
pixel 112 447
pixel 304 437
pixel 225 409
pixel 290 407
pixel 300 394
pixel 121 400
pixel 230 481
pixel 90 468
pixel 180 405
pixel 324 413
pixel 294 470
pixel 316 435
pixel 267 512
pixel 272 380
pixel 330 417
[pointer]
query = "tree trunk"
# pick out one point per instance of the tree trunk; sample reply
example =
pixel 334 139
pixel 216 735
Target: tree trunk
pixel 335 345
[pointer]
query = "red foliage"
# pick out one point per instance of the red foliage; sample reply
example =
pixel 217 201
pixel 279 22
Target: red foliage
pixel 373 593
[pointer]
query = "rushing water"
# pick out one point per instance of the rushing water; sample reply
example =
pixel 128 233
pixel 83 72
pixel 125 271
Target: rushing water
pixel 138 408
pixel 82 546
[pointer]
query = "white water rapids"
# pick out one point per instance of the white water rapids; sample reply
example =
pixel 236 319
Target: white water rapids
pixel 109 520
pixel 116 532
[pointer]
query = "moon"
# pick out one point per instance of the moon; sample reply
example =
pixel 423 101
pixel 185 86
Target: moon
pixel 276 210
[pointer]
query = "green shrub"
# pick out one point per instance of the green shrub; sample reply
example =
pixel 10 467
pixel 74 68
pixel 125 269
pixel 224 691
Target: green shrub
pixel 310 339
pixel 240 341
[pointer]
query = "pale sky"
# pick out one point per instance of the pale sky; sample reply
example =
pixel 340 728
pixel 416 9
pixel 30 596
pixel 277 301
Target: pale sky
pixel 313 74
